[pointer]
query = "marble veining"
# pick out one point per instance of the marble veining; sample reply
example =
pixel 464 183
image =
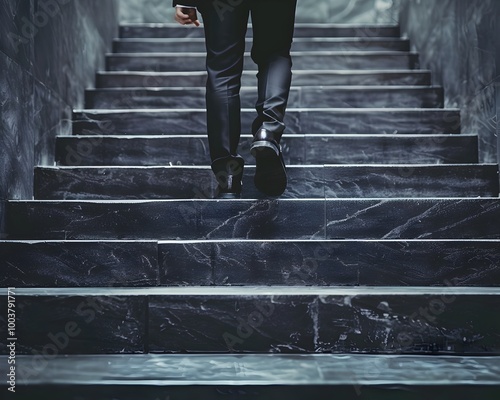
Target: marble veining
pixel 42 78
pixel 262 219
pixel 350 263
pixel 349 181
pixel 75 264
pixel 322 60
pixel 185 150
pixel 80 325
pixel 17 157
pixel 420 219
pixel 300 97
pixel 461 56
pixel 308 120
pixel 166 45
pixel 304 78
pixel 316 369
pixel 260 323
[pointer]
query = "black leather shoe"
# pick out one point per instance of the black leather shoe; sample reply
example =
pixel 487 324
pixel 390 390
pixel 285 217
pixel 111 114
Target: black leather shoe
pixel 230 189
pixel 228 173
pixel 270 174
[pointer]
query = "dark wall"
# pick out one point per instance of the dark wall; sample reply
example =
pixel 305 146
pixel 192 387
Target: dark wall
pixel 49 52
pixel 457 40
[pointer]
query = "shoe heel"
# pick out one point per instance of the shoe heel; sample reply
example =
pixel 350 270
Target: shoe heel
pixel 264 148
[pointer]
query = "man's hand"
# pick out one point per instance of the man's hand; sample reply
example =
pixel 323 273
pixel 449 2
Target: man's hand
pixel 186 16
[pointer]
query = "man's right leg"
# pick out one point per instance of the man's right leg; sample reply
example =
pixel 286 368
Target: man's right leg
pixel 225 29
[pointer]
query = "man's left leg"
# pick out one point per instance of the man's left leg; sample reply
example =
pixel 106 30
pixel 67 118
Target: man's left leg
pixel 273 23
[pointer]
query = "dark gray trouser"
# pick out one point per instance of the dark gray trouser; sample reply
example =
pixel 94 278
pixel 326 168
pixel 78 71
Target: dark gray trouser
pixel 225 23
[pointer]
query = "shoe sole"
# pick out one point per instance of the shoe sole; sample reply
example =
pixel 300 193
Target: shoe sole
pixel 270 174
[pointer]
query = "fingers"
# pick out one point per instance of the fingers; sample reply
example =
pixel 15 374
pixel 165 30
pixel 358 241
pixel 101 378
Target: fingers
pixel 186 16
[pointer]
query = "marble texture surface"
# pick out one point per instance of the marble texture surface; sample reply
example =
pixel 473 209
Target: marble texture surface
pixel 165 320
pixel 333 11
pixel 190 219
pixel 208 321
pixel 47 53
pixel 457 40
pixel 75 264
pixel 297 149
pixel 250 262
pixel 316 369
pixel 385 321
pixel 418 219
pixel 349 181
pixel 308 77
pixel 391 323
pixel 17 155
pixel 171 30
pixel 299 44
pixel 263 219
pixel 16 30
pixel 318 60
pixel 51 325
pixel 338 263
pixel 300 97
pixel 303 121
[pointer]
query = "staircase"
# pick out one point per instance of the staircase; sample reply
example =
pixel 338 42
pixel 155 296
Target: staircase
pixel 375 275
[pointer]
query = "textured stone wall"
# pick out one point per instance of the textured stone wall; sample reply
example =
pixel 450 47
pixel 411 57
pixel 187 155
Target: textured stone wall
pixel 457 41
pixel 334 11
pixel 49 52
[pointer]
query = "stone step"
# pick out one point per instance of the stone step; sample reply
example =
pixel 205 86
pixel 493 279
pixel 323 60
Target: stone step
pixel 173 30
pixel 250 262
pixel 319 60
pixel 250 219
pixel 300 97
pixel 79 263
pixel 306 120
pixel 381 320
pixel 259 377
pixel 300 78
pixel 297 149
pixel 299 44
pixel 349 181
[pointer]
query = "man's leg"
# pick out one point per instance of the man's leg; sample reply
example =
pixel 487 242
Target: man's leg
pixel 273 23
pixel 225 25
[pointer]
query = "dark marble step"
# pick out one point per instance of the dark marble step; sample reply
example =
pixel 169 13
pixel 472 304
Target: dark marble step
pixel 299 44
pixel 250 219
pixel 345 262
pixel 320 60
pixel 172 30
pixel 79 263
pixel 314 120
pixel 297 149
pixel 382 320
pixel 300 97
pixel 250 262
pixel 362 181
pixel 396 391
pixel 300 78
pixel 260 376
